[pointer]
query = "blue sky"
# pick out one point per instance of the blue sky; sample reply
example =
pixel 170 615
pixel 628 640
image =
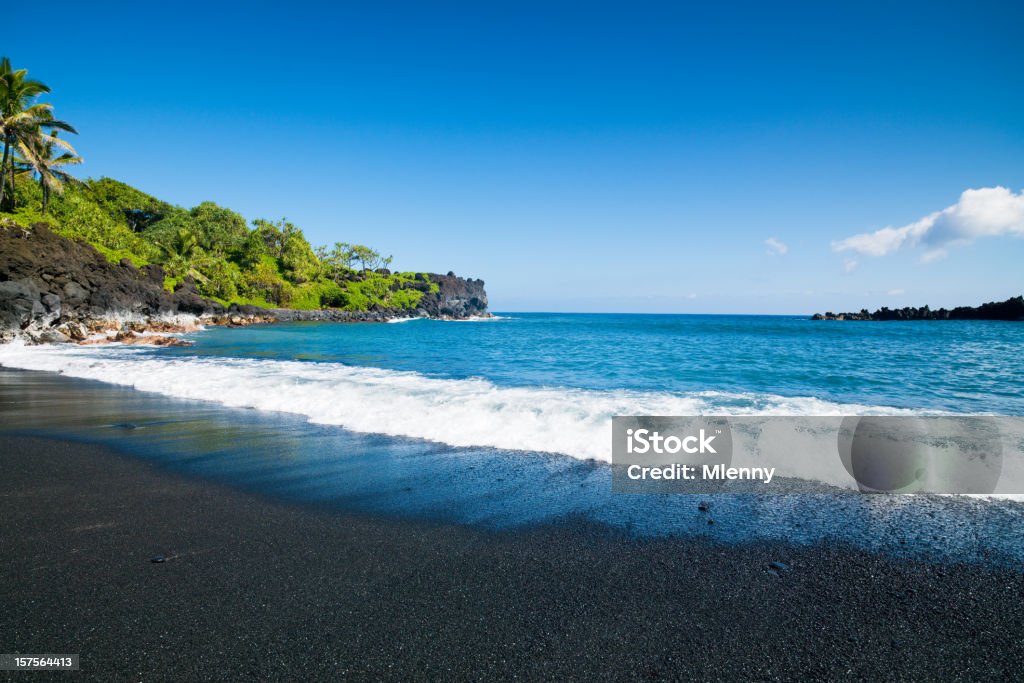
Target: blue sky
pixel 582 157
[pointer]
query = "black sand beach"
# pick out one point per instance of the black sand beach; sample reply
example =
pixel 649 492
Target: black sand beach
pixel 255 588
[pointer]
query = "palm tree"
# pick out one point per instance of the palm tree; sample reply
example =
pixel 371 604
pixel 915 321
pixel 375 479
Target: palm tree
pixel 179 254
pixel 39 158
pixel 22 122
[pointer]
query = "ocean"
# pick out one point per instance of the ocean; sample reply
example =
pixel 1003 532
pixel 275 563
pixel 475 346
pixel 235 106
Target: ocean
pixel 506 421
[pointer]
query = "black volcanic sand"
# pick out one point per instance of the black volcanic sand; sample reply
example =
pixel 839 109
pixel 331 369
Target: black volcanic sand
pixel 256 588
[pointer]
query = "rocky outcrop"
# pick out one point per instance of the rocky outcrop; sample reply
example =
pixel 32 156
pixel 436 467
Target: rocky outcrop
pixel 457 298
pixel 53 289
pixel 1011 309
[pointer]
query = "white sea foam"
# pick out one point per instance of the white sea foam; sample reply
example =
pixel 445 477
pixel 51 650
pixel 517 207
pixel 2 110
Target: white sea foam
pixel 458 412
pixel 470 319
pixel 476 319
pixel 128 317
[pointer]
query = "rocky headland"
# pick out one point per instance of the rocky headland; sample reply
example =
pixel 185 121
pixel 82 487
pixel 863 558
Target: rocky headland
pixel 54 290
pixel 1012 309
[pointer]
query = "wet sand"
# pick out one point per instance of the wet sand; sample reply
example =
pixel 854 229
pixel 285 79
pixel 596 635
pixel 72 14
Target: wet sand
pixel 255 588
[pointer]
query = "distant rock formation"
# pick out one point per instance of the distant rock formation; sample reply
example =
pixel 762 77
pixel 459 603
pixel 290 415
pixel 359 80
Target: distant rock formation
pixel 457 298
pixel 1011 309
pixel 53 289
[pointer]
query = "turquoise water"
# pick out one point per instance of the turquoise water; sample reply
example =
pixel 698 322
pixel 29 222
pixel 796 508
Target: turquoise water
pixel 959 366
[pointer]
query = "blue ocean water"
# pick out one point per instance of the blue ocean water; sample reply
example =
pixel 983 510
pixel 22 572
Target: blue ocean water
pixel 958 366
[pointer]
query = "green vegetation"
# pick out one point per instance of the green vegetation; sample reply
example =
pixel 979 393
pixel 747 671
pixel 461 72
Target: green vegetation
pixel 268 264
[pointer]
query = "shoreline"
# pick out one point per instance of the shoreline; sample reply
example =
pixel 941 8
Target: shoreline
pixel 272 450
pixel 162 330
pixel 255 587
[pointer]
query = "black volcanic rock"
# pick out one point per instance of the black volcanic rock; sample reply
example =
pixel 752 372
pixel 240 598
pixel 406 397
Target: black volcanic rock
pixel 47 280
pixel 1012 309
pixel 19 304
pixel 187 300
pixel 456 297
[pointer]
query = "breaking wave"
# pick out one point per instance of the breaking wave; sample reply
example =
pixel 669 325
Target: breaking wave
pixel 457 412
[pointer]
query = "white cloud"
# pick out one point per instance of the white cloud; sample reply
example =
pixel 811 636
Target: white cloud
pixel 934 255
pixel 691 296
pixel 850 265
pixel 896 292
pixel 878 243
pixel 986 212
pixel 775 247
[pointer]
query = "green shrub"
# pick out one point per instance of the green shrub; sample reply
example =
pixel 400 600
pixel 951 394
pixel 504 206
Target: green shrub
pixel 222 278
pixel 118 255
pixel 299 262
pixel 28 196
pixel 406 298
pixel 303 297
pixel 263 281
pixel 166 230
pixel 78 218
pixel 26 216
pixel 332 295
pixel 133 208
pixel 221 231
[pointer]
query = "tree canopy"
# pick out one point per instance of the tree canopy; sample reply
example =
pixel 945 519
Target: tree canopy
pixel 28 131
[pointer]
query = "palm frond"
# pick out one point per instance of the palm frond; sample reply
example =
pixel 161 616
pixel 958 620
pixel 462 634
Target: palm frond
pixel 40 110
pixel 27 117
pixel 44 139
pixel 67 159
pixel 59 125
